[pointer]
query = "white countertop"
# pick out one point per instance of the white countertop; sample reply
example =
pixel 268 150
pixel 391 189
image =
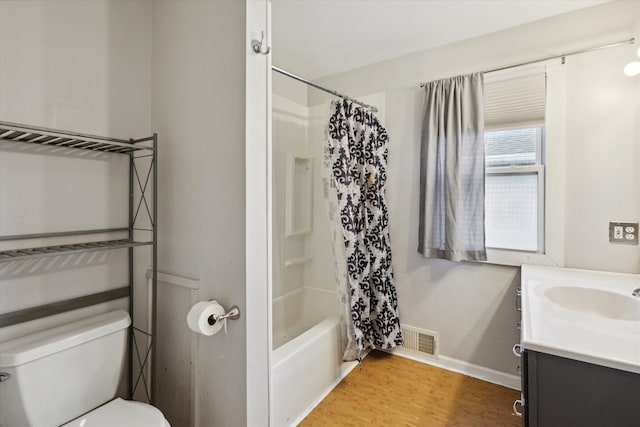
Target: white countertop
pixel 554 329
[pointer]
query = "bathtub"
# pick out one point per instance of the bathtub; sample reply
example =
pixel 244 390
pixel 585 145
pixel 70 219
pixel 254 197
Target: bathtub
pixel 307 347
pixel 299 311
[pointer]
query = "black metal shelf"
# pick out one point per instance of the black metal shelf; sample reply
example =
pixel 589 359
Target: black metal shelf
pixel 52 138
pixel 74 248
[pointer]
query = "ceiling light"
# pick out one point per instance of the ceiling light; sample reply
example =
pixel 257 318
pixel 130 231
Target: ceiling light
pixel 633 68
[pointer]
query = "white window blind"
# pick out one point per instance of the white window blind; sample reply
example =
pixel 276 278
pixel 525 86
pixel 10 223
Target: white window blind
pixel 514 161
pixel 511 211
pixel 516 100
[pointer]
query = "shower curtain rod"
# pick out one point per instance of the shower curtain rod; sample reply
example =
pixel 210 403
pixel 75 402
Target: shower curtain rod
pixel 632 40
pixel 317 86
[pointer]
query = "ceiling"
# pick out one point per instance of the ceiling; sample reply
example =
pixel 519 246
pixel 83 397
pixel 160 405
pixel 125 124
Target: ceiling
pixel 316 38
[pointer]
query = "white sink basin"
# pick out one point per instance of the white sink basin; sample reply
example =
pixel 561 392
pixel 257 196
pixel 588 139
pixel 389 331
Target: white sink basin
pixel 595 301
pixel 584 315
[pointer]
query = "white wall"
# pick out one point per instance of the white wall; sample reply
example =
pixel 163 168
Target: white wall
pixel 472 305
pixel 289 88
pixel 84 67
pixel 603 144
pixel 198 110
pixel 81 66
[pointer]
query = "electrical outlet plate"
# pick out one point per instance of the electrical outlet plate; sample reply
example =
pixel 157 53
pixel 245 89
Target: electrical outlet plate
pixel 623 232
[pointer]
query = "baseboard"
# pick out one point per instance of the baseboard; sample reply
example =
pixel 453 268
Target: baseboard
pixel 465 368
pixel 348 367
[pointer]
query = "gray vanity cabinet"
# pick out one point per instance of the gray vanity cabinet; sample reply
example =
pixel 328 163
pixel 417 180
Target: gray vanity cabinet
pixel 561 392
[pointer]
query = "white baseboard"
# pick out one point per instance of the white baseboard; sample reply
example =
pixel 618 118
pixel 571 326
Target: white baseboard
pixel 465 368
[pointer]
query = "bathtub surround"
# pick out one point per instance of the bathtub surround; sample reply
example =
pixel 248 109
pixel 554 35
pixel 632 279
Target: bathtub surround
pixel 451 221
pixel 358 159
pixel 306 324
pixel 296 258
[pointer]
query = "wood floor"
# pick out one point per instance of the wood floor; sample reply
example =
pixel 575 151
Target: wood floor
pixel 395 391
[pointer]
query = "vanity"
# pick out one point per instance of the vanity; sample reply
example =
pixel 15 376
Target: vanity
pixel 580 348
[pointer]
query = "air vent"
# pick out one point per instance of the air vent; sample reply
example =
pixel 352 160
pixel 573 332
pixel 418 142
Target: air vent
pixel 420 341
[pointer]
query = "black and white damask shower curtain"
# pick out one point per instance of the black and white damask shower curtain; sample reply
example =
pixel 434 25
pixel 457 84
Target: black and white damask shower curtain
pixel 356 156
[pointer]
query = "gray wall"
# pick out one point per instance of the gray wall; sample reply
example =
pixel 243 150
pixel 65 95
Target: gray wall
pixel 198 109
pixel 92 67
pixel 470 304
pixel 83 67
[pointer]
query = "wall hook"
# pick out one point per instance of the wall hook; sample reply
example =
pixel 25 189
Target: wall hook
pixel 256 45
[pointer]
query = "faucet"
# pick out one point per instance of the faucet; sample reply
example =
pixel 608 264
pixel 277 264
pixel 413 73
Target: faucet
pixel 636 292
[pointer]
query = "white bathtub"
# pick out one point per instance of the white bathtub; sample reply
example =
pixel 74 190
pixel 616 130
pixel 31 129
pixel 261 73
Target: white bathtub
pixel 306 368
pixel 299 311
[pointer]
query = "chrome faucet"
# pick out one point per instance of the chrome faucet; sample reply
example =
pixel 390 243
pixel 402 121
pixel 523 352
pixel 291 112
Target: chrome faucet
pixel 636 292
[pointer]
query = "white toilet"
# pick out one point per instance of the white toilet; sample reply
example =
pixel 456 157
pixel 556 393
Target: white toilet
pixel 64 375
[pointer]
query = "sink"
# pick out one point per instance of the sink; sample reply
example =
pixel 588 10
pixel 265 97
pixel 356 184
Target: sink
pixel 589 316
pixel 595 301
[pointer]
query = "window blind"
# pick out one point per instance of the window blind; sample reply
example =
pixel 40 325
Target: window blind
pixel 515 100
pixel 511 211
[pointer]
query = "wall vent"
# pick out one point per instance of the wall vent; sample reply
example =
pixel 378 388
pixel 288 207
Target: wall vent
pixel 420 341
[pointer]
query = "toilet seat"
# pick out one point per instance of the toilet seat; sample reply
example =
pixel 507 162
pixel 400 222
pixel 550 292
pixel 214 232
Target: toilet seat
pixel 121 413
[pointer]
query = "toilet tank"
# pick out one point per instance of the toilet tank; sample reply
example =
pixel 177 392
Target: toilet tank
pixel 61 373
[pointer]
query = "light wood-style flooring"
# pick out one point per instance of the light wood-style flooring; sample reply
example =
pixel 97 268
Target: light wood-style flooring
pixel 395 391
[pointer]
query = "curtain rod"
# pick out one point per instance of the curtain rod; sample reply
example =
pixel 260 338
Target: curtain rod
pixel 317 86
pixel 632 40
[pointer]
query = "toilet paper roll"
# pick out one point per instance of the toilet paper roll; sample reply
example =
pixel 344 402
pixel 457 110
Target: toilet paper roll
pixel 198 317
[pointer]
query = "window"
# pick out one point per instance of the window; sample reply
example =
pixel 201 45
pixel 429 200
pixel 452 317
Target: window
pixel 514 189
pixel 514 162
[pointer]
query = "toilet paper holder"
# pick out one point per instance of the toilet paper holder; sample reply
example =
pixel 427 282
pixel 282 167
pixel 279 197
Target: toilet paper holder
pixel 232 314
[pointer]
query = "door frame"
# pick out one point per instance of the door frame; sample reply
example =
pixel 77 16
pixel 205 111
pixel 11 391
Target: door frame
pixel 258 215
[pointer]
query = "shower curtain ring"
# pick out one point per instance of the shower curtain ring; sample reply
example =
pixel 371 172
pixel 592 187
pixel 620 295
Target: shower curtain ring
pixel 256 45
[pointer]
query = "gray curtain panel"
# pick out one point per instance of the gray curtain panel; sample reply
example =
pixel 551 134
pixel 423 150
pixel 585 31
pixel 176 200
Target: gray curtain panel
pixel 452 170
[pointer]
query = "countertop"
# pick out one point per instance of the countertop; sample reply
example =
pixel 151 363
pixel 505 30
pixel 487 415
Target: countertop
pixel 553 329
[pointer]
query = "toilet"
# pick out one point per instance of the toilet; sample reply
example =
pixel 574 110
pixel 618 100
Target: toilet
pixel 68 376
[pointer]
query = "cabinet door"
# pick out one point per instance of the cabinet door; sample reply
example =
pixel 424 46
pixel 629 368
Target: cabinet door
pixel 524 385
pixel 564 392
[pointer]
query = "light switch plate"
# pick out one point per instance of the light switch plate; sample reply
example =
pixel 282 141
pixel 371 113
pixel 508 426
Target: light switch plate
pixel 623 232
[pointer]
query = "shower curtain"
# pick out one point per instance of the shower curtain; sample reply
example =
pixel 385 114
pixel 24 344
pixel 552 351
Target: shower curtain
pixel 355 163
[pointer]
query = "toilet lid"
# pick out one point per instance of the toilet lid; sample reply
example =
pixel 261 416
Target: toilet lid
pixel 121 413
